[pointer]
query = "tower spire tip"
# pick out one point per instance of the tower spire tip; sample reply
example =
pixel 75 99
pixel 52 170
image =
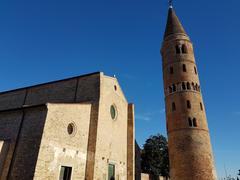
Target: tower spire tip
pixel 170 3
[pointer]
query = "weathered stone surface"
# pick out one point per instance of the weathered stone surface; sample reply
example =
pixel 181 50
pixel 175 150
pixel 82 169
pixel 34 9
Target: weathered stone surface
pixel 58 148
pixel 34 121
pixel 111 144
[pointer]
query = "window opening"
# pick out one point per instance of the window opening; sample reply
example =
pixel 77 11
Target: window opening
pixel 195 70
pixel 184 68
pixel 183 86
pixel 111 172
pixel 188 104
pixel 65 173
pixel 173 106
pixel 201 106
pixel 194 122
pixel 178 49
pixel 188 86
pixel 190 122
pixel 174 88
pixel 171 70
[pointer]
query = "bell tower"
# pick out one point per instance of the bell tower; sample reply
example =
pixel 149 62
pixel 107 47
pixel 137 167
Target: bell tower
pixel 190 148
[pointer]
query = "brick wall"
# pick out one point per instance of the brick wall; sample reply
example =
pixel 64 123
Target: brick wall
pixel 80 89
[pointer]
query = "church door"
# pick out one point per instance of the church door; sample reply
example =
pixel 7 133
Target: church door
pixel 111 172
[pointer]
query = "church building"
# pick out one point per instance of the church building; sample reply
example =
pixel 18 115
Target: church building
pixel 82 128
pixel 77 128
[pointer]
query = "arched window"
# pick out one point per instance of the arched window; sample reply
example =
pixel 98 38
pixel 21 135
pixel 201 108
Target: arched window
pixel 195 70
pixel 170 89
pixel 194 122
pixel 188 86
pixel 188 104
pixel 171 70
pixel 196 87
pixel 174 88
pixel 184 68
pixel 201 106
pixel 173 106
pixel 184 49
pixel 178 49
pixel 193 86
pixel 190 122
pixel 183 86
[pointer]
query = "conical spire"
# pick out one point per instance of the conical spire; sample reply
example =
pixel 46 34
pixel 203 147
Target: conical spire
pixel 173 26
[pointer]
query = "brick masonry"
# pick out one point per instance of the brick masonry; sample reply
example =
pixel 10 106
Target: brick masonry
pixel 190 149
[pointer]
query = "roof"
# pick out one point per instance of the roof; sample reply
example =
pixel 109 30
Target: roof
pixel 51 82
pixel 173 26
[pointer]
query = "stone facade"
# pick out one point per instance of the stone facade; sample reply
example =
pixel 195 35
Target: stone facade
pixel 190 149
pixel 67 123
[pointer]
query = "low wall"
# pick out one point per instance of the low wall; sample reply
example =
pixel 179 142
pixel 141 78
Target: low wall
pixel 148 177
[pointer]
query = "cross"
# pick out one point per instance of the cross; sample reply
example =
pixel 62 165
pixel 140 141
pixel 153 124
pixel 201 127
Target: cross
pixel 170 3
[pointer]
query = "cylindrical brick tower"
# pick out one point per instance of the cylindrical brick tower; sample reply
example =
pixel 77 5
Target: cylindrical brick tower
pixel 190 148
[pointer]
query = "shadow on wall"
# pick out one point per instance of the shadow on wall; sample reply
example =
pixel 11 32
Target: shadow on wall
pixel 29 140
pixel 137 162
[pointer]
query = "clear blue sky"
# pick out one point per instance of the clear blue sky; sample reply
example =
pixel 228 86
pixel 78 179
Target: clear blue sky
pixel 46 40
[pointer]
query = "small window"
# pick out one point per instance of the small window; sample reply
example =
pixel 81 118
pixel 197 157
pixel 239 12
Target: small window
pixel 170 89
pixel 65 173
pixel 173 106
pixel 183 86
pixel 201 106
pixel 196 87
pixel 184 68
pixel 71 129
pixel 193 86
pixel 194 122
pixel 188 86
pixel 111 172
pixel 115 88
pixel 113 112
pixel 174 87
pixel 171 70
pixel 184 49
pixel 195 70
pixel 190 122
pixel 188 104
pixel 178 49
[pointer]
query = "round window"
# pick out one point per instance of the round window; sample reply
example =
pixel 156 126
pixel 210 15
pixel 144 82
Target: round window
pixel 71 129
pixel 113 112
